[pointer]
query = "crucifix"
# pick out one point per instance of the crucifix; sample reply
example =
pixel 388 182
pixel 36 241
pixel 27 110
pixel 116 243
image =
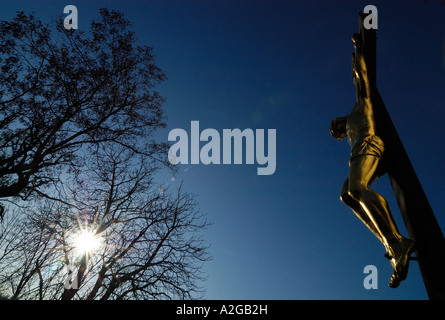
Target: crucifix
pixel 376 149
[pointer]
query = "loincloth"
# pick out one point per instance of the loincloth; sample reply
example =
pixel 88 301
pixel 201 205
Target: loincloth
pixel 371 146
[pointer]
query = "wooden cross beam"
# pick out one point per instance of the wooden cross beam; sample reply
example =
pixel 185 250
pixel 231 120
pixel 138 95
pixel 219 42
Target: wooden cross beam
pixel 416 211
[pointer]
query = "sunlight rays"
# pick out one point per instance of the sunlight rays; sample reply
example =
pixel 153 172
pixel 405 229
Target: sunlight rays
pixel 86 242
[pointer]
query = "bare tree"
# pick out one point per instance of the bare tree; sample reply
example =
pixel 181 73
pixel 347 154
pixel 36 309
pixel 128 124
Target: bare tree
pixel 149 240
pixel 77 117
pixel 27 249
pixel 63 95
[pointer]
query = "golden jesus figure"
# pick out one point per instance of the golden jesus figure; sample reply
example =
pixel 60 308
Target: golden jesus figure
pixel 365 165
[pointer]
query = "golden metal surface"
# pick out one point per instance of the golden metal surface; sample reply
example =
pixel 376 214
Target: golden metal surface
pixel 365 165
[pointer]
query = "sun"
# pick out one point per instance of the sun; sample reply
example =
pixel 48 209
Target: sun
pixel 86 242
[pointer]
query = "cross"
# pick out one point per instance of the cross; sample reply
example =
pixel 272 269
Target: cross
pixel 417 214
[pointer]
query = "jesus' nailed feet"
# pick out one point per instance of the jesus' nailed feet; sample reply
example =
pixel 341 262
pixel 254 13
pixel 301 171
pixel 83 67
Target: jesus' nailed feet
pixel 398 254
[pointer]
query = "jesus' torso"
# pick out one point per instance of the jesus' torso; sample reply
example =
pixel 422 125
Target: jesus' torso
pixel 360 122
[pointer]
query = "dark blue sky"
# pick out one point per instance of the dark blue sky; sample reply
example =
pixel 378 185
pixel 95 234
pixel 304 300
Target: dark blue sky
pixel 286 65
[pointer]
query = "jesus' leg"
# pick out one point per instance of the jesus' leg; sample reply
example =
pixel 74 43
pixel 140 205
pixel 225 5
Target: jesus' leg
pixel 399 248
pixel 358 210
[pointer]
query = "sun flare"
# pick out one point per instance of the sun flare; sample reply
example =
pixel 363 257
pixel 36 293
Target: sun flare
pixel 86 242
